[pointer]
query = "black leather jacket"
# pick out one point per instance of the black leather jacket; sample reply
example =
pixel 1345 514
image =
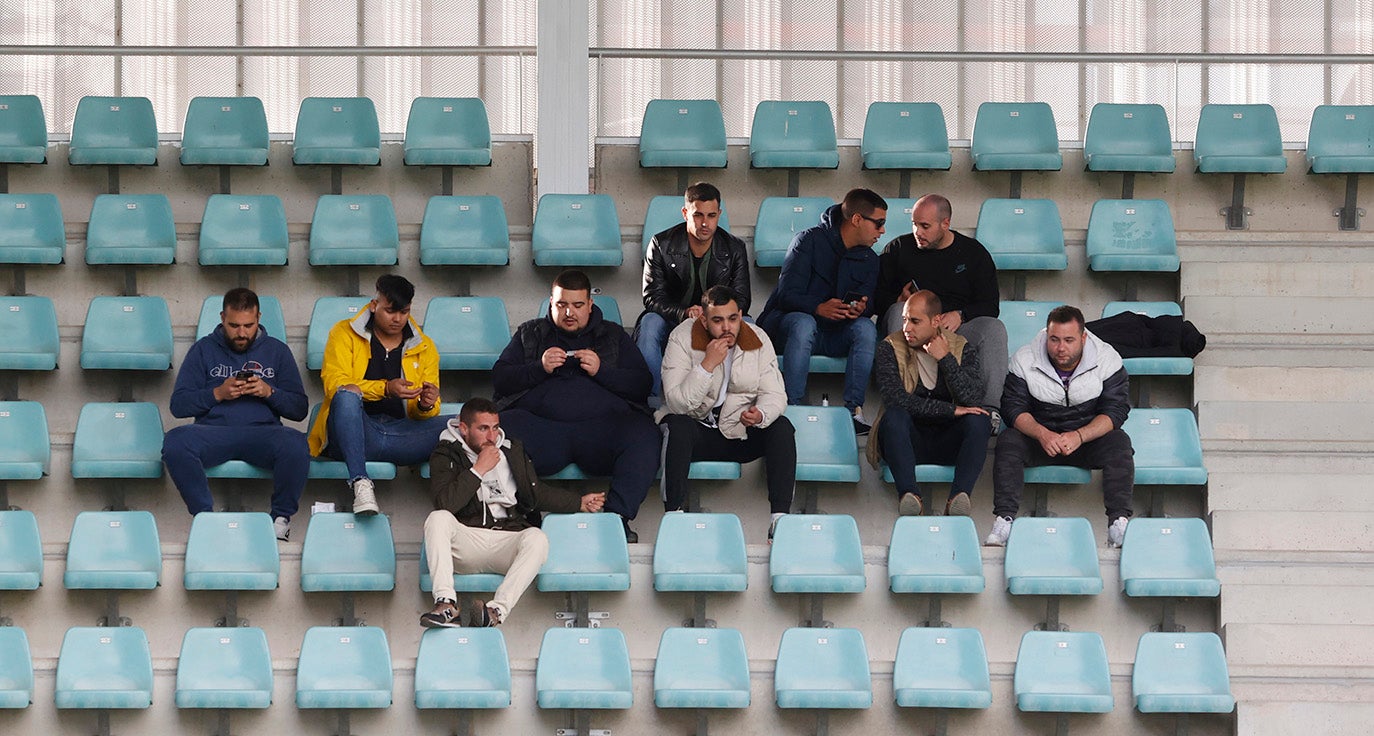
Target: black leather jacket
pixel 667 267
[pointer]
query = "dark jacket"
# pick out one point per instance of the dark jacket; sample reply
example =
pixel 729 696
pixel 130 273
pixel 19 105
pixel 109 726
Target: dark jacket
pixel 1137 336
pixel 818 267
pixel 454 488
pixel 960 383
pixel 1099 385
pixel 210 361
pixel 668 265
pixel 962 275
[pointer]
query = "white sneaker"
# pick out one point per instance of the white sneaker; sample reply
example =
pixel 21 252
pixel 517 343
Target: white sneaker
pixel 364 497
pixel 1001 529
pixel 282 526
pixel 1116 533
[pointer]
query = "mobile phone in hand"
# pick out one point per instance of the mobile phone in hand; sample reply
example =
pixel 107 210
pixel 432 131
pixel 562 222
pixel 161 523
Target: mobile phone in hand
pixel 852 298
pixel 244 375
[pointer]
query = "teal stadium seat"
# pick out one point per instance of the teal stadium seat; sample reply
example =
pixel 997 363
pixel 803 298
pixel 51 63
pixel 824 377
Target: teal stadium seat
pixel 127 333
pixel 822 668
pixel 344 667
pixel 1239 139
pixel 131 229
pixel 576 230
pixel 935 555
pixel 115 131
pixel 477 582
pixel 826 449
pixel 682 134
pixel 582 669
pixel 462 669
pixel 925 473
pixel 447 131
pixel 586 552
pixel 941 668
pixel 1015 136
pixel 25 452
pixel 224 131
pixel 1160 366
pixel 270 319
pixel 1168 449
pixel 469 331
pixel 792 134
pixel 326 469
pixel 28 333
pixel 1024 320
pixel 354 230
pixel 118 440
pixel 113 550
pixel 327 312
pixel 243 230
pixel 1181 673
pixel 23 130
pixel 464 231
pixel 1132 235
pixel 104 667
pixel 1052 556
pixel 337 131
pixel 1023 234
pixel 31 229
pixel 610 308
pixel 231 551
pixel 16 668
pixel 665 211
pixel 898 221
pixel 1128 138
pixel 224 667
pixel 814 553
pixel 1168 558
pixel 701 668
pixel 905 135
pixel 347 553
pixel 1340 140
pixel 21 557
pixel 779 221
pixel 700 552
pixel 1062 672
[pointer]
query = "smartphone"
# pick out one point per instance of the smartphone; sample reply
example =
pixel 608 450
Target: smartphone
pixel 914 287
pixel 853 298
pixel 244 375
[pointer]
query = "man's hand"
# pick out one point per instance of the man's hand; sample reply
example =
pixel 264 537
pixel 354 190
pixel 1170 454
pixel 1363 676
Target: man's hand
pixel 553 358
pixel 833 309
pixel 716 350
pixel 751 417
pixel 1049 442
pixel 938 347
pixel 694 311
pixel 231 389
pixel 255 386
pixel 486 459
pixel 906 292
pixel 952 320
pixel 593 502
pixel 856 310
pixel 1069 442
pixel 429 395
pixel 960 411
pixel 591 362
pixel 401 388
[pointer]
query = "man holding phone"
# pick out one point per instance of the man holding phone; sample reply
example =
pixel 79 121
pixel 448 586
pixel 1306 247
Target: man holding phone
pixel 238 382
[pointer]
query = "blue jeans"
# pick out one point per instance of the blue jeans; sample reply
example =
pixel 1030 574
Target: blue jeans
pixel 802 338
pixel 651 335
pixel 189 449
pixel 355 437
pixel 961 442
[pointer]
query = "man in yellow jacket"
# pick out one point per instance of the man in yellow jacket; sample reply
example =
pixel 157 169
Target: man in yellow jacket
pixel 381 391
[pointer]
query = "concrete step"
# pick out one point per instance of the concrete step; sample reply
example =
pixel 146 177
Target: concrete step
pixel 1258 491
pixel 1332 423
pixel 1277 569
pixel 1280 316
pixel 1298 531
pixel 1263 383
pixel 1285 717
pixel 1279 278
pixel 1297 603
pixel 1298 650
pixel 1227 349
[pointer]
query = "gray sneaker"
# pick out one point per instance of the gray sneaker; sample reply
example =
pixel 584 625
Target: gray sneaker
pixel 910 505
pixel 1116 533
pixel 364 497
pixel 1001 529
pixel 959 505
pixel 282 526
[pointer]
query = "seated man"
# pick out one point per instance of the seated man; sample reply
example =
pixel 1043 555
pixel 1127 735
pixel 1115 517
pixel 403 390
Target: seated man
pixel 381 391
pixel 681 264
pixel 724 400
pixel 487 500
pixel 1066 399
pixel 823 303
pixel 960 271
pixel 573 388
pixel 930 379
pixel 238 382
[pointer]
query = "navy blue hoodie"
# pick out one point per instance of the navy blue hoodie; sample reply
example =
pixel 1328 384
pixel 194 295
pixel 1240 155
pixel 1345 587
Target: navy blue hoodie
pixel 818 267
pixel 210 361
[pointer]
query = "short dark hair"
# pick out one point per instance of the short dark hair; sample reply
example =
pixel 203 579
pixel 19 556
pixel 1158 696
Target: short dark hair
pixel 474 406
pixel 702 192
pixel 1063 315
pixel 573 280
pixel 718 296
pixel 396 289
pixel 942 206
pixel 861 202
pixel 239 300
pixel 930 300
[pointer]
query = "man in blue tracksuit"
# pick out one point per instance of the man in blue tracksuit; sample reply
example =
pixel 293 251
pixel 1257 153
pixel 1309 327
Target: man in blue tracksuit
pixel 238 382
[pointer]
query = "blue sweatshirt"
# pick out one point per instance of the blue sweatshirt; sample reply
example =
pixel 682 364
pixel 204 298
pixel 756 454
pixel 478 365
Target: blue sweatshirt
pixel 818 267
pixel 210 361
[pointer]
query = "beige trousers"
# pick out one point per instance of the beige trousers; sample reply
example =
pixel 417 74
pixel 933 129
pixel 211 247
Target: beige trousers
pixel 452 545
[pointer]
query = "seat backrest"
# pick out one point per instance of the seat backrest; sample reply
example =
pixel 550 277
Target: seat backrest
pixel 31 229
pixel 343 552
pixel 905 128
pixel 702 660
pixel 665 211
pixel 21 556
pixel 1061 662
pixel 1051 547
pixel 224 667
pixel 113 550
pixel 687 133
pixel 1024 320
pixel 328 311
pixel 586 552
pixel 471 663
pixel 1188 670
pixel 935 547
pixel 582 659
pixel 1164 437
pixel 28 333
pixel 576 221
pixel 465 231
pixel 1178 548
pixel 1012 228
pixel 231 551
pixel 448 131
pixel 224 131
pixel 813 546
pixel 899 211
pixel 25 451
pixel 822 659
pixel 779 221
pixel 243 230
pixel 354 230
pixel 1128 129
pixel 793 133
pixel 104 667
pixel 1149 309
pixel 469 331
pixel 118 440
pixel 114 130
pixel 1238 130
pixel 16 668
pixel 23 130
pixel 127 333
pixel 1014 128
pixel 131 229
pixel 270 316
pixel 700 552
pixel 826 447
pixel 1131 227
pixel 344 667
pixel 339 123
pixel 1341 131
pixel 941 659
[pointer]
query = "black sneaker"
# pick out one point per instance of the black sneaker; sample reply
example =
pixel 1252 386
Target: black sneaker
pixel 444 616
pixel 861 427
pixel 481 615
pixel 630 536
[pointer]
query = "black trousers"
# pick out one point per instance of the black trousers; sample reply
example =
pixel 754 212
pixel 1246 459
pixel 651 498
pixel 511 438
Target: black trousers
pixel 1112 453
pixel 689 440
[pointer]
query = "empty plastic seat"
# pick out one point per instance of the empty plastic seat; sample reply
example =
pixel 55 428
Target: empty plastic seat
pixel 344 667
pixel 779 221
pixel 31 229
pixel 243 230
pixel 1168 450
pixel 464 231
pixel 1024 320
pixel 1052 556
pixel 271 318
pixel 682 133
pixel 16 668
pixel 1131 138
pixel 576 230
pixel 935 555
pixel 113 550
pixel 23 130
pixel 790 134
pixel 232 551
pixel 469 331
pixel 21 558
pixel 1340 139
pixel 28 333
pixel 337 130
pixel 324 468
pixel 610 308
pixel 115 131
pixel 118 440
pixel 1152 366
pixel 25 451
pixel 1015 136
pixel 941 668
pixel 224 667
pixel 586 552
pixel 898 219
pixel 701 668
pixel 700 552
pixel 131 229
pixel 462 668
pixel 665 211
pixel 1023 234
pixel 1132 235
pixel 1181 673
pixel 104 667
pixel 328 311
pixel 815 553
pixel 822 668
pixel 905 135
pixel 1168 558
pixel 127 333
pixel 1062 671
pixel 826 448
pixel 583 669
pixel 224 131
pixel 354 230
pixel 447 131
pixel 343 552
pixel 1239 139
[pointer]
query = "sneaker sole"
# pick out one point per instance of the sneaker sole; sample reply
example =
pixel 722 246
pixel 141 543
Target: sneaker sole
pixel 431 624
pixel 960 505
pixel 366 509
pixel 909 505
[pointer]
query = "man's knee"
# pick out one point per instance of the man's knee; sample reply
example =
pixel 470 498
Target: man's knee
pixel 799 326
pixel 864 332
pixel 678 423
pixel 178 442
pixel 439 520
pixel 895 422
pixel 1011 446
pixel 345 399
pixel 535 542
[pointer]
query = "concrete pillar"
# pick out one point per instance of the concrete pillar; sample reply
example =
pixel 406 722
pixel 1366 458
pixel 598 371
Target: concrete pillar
pixel 562 142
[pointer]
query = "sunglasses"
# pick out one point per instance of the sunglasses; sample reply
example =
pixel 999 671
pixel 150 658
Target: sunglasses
pixel 879 222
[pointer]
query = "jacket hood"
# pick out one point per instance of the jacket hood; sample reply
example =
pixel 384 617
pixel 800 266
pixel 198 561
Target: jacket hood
pixel 359 325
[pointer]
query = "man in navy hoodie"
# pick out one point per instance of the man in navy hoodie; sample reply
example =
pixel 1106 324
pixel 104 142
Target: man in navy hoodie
pixel 238 382
pixel 574 389
pixel 823 303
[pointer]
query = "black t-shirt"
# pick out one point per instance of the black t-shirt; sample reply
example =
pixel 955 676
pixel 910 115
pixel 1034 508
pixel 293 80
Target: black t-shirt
pixel 698 277
pixel 384 366
pixel 962 275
